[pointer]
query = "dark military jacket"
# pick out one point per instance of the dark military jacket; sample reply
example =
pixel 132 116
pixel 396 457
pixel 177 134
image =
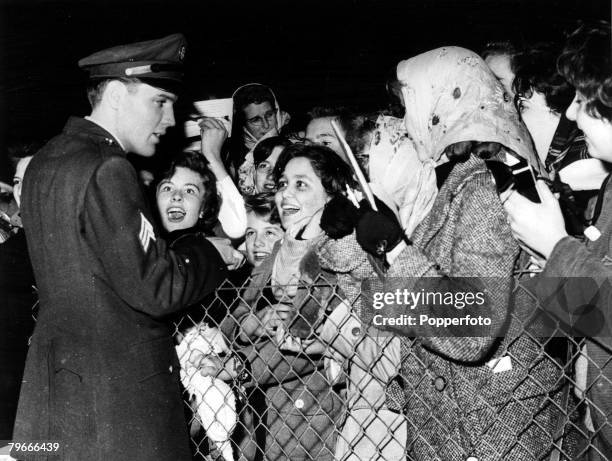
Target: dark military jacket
pixel 101 376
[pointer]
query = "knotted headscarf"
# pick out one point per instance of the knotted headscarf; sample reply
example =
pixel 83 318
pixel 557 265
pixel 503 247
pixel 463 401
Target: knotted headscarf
pixel 451 96
pixel 397 175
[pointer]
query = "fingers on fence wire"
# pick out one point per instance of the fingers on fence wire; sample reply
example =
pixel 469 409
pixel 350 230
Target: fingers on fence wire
pixel 515 406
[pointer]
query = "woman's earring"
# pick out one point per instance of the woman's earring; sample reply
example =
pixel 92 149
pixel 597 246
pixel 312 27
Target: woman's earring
pixel 201 215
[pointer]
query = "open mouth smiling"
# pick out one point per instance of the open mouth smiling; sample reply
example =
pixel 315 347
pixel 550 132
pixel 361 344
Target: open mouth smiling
pixel 175 214
pixel 289 209
pixel 260 255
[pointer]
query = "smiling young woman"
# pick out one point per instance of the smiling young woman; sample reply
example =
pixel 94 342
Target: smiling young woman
pixel 187 195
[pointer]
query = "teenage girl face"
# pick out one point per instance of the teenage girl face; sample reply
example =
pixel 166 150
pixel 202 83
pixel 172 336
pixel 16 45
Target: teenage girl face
pixel 597 131
pixel 264 181
pixel 260 237
pixel 180 199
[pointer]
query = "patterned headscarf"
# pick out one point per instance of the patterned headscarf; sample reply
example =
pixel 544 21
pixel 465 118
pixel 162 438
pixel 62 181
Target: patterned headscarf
pixel 451 96
pixel 396 172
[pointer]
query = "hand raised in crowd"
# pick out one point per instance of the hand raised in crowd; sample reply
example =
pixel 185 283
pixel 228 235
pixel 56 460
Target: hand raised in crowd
pixel 218 367
pixel 290 343
pixel 273 317
pixel 538 225
pixel 266 321
pixel 231 257
pixel 213 135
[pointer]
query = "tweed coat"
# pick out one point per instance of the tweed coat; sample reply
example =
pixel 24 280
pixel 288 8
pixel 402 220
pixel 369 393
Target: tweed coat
pixel 456 404
pixel 101 375
pixel 579 275
pixel 371 359
pixel 302 406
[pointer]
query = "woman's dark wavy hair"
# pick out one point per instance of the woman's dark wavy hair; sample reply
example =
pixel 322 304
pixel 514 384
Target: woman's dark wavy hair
pixel 264 148
pixel 263 206
pixel 586 62
pixel 194 161
pixel 333 172
pixel 535 69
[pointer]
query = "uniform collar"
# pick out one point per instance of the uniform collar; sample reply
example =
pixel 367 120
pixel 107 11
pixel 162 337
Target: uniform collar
pixel 106 129
pixel 88 127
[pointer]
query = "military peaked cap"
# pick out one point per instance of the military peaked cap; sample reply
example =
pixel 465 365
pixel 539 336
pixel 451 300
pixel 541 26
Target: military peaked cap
pixel 157 60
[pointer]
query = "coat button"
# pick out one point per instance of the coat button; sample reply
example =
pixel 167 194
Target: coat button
pixel 186 260
pixel 356 331
pixel 170 369
pixel 440 384
pixel 471 458
pixel 299 404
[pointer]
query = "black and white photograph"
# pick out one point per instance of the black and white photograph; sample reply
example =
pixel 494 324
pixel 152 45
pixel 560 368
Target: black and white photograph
pixel 342 230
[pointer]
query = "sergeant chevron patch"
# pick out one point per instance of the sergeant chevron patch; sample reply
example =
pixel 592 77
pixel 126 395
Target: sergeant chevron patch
pixel 146 232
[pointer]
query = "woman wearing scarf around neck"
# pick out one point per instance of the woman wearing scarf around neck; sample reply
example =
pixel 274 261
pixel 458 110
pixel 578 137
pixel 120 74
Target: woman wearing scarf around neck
pixel 257 116
pixel 482 394
pixel 303 408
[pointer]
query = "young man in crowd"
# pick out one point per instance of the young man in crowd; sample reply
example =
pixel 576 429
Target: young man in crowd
pixel 101 377
pixel 576 284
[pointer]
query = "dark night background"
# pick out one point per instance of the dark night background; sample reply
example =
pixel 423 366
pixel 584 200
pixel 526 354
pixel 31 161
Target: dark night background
pixel 309 52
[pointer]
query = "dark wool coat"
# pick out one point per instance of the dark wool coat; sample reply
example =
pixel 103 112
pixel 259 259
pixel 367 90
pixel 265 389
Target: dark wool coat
pixel 101 376
pixel 17 298
pixel 302 407
pixel 576 285
pixel 456 406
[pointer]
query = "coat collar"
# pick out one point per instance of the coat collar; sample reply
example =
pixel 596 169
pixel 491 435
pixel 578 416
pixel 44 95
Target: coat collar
pixel 83 127
pixel 461 173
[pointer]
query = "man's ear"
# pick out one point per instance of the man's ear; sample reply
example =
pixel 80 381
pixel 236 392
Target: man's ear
pixel 114 93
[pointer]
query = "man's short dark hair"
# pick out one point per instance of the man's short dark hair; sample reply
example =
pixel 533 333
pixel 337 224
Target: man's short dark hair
pixel 535 69
pixel 96 88
pixel 344 115
pixel 586 63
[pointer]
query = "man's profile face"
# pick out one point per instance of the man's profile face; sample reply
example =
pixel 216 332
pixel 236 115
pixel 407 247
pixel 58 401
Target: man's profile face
pixel 144 115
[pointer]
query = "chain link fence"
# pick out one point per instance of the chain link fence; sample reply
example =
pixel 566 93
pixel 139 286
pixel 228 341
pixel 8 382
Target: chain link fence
pixel 313 382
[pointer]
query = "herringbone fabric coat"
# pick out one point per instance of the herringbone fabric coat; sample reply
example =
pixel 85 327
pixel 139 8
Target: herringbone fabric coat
pixel 456 405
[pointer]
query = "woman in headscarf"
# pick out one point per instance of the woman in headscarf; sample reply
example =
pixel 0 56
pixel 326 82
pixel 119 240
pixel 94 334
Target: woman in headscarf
pixel 257 116
pixel 468 393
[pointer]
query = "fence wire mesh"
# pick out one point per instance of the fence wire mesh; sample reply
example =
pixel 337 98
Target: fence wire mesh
pixel 305 379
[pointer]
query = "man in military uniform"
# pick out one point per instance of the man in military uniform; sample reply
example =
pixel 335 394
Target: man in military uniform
pixel 101 377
